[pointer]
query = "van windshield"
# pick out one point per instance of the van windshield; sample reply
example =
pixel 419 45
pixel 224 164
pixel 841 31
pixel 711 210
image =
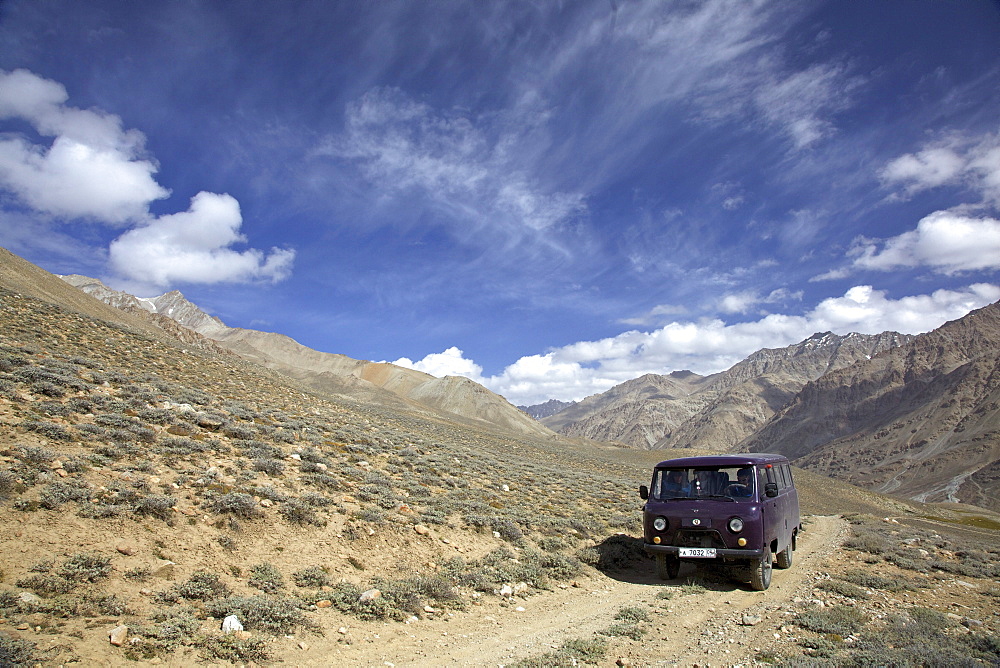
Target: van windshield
pixel 733 483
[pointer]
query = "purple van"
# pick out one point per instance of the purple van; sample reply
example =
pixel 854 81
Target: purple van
pixel 740 511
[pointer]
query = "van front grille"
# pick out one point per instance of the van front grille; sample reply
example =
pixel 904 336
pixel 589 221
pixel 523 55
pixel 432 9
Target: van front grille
pixel 698 538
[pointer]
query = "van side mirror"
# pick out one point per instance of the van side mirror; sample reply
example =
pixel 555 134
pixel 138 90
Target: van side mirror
pixel 771 489
pixel 643 492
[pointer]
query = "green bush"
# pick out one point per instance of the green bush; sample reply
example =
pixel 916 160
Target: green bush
pixel 267 578
pixel 201 586
pixel 238 504
pixel 86 568
pixel 270 614
pixel 236 650
pixel 14 652
pixel 312 576
pixel 840 620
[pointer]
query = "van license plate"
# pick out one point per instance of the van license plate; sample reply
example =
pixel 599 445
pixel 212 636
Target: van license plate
pixel 703 552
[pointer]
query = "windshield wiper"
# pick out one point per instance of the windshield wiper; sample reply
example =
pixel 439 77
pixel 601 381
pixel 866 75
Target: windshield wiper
pixel 715 496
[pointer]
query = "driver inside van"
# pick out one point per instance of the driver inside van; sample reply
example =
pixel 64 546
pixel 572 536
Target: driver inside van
pixel 743 486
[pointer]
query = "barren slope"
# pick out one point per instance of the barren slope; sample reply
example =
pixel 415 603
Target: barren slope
pixel 922 420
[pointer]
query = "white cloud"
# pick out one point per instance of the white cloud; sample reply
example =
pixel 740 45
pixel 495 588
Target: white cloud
pixel 194 247
pixel 709 346
pixel 946 241
pixel 97 170
pixel 451 362
pixel 954 160
pixel 93 168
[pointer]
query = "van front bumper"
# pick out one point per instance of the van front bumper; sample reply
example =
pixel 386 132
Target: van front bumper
pixel 720 553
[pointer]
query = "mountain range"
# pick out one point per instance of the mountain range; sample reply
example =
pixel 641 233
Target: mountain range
pixel 917 416
pixel 454 397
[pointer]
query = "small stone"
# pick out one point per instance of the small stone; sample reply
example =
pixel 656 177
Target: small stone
pixel 128 549
pixel 369 595
pixel 266 503
pixel 303 645
pixel 623 662
pixel 325 603
pixel 231 624
pixel 164 568
pixel 29 598
pixel 428 608
pixel 506 590
pixel 118 635
pixel 519 609
pixel 421 529
pixel 342 630
pixel 750 620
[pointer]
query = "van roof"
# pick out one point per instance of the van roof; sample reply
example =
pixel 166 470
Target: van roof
pixel 741 459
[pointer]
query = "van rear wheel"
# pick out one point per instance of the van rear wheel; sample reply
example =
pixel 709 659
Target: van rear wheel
pixel 667 567
pixel 760 573
pixel 785 557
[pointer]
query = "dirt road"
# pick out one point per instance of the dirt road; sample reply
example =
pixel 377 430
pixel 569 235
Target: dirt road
pixel 702 622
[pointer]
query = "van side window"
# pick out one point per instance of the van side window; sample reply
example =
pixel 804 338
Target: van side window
pixel 787 470
pixel 784 477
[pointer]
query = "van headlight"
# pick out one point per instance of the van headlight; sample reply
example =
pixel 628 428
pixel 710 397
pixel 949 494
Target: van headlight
pixel 736 525
pixel 660 523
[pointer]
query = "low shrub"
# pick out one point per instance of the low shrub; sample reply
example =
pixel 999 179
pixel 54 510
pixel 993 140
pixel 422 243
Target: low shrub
pixel 86 568
pixel 312 576
pixel 840 620
pixel 16 652
pixel 200 586
pixel 234 649
pixel 157 505
pixel 270 614
pixel 267 578
pixel 238 504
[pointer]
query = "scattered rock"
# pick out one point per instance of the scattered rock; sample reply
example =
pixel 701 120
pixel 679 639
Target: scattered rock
pixel 750 620
pixel 422 529
pixel 118 635
pixel 231 624
pixel 164 569
pixel 126 548
pixel 369 595
pixel 325 603
pixel 506 590
pixel 29 598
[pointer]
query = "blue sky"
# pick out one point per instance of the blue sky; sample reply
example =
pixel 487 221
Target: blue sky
pixel 550 198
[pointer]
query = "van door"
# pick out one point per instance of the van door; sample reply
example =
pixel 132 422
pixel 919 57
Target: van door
pixel 769 510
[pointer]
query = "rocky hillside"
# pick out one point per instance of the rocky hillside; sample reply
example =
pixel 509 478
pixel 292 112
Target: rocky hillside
pixel 921 420
pixel 150 490
pixel 716 412
pixel 550 407
pixel 392 385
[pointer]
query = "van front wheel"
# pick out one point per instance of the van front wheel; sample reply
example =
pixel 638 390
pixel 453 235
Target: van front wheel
pixel 667 568
pixel 760 573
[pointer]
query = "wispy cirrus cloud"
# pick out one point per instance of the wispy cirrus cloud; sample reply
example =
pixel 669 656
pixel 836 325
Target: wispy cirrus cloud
pixel 459 162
